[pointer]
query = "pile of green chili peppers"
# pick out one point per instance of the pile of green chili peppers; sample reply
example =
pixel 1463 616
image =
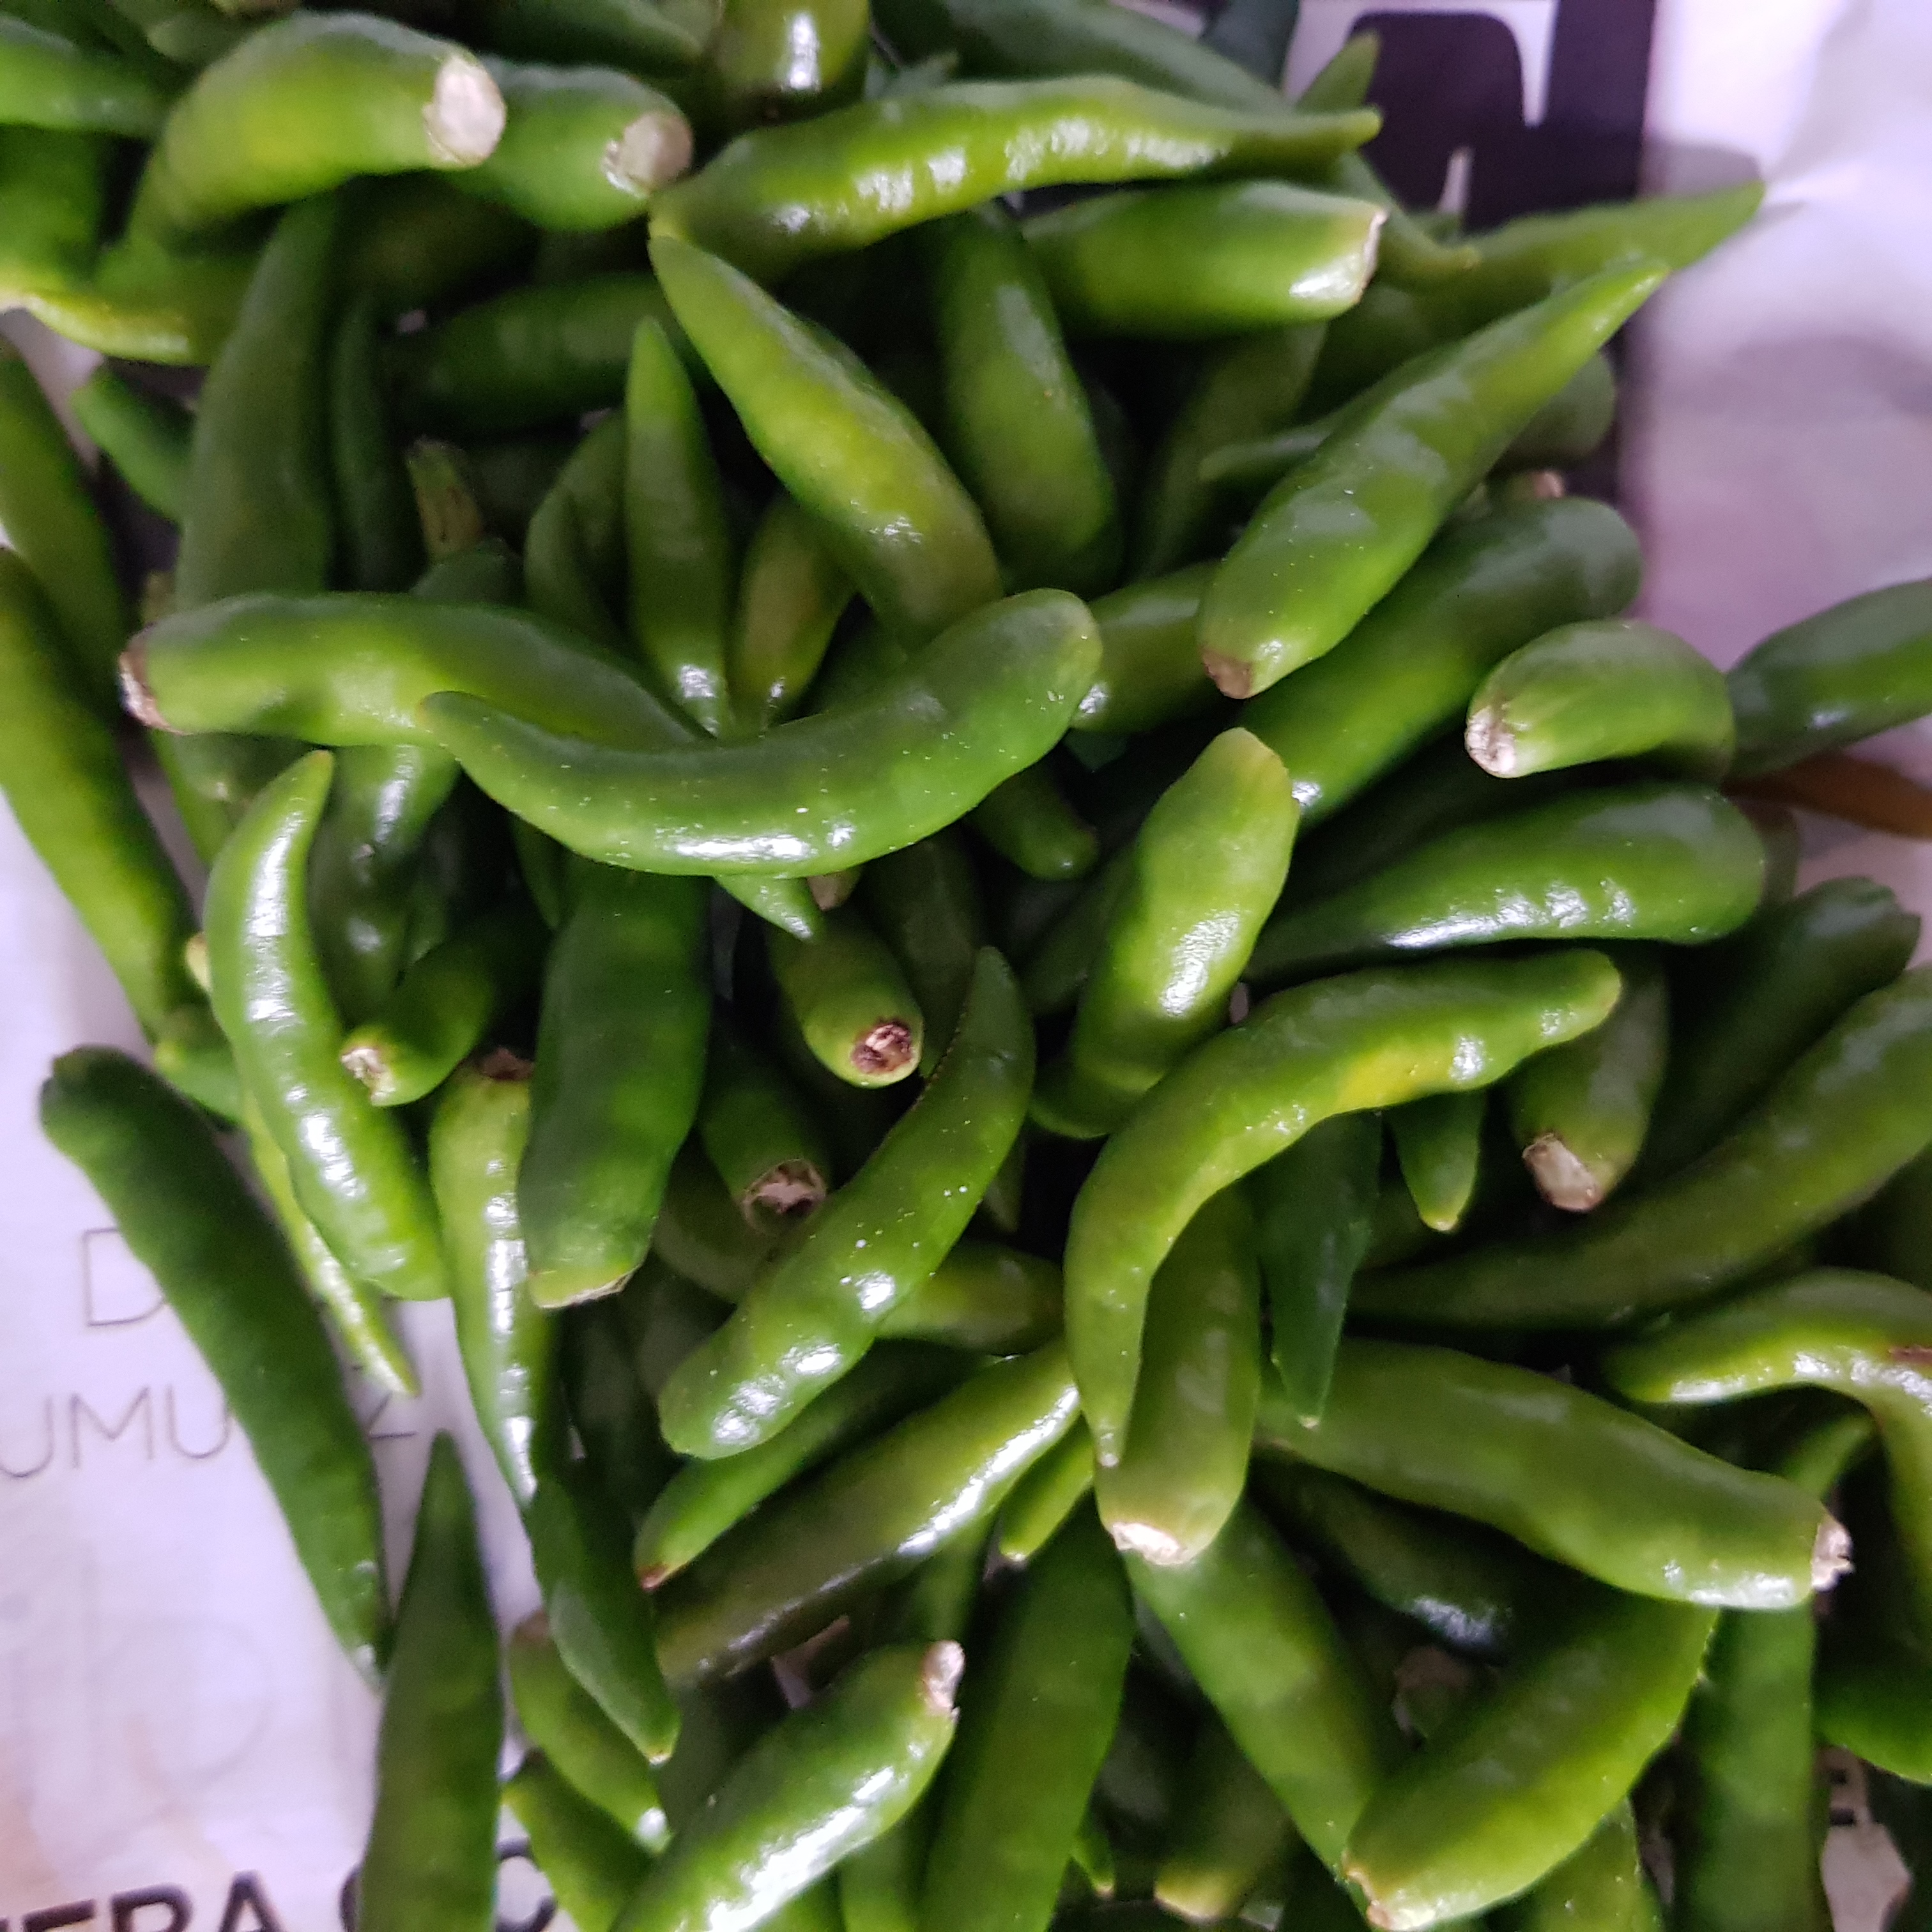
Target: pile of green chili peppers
pixel 1160 1214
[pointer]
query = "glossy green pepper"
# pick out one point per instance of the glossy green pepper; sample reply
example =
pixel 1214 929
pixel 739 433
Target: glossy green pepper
pixel 266 124
pixel 1856 669
pixel 1838 1124
pixel 780 197
pixel 1035 1723
pixel 1027 820
pixel 49 80
pixel 188 1218
pixel 824 1783
pixel 431 1852
pixel 1185 1461
pixel 1641 861
pixel 1601 1887
pixel 353 1169
pixel 810 1318
pixel 1338 533
pixel 1580 1112
pixel 609 1408
pixel 924 902
pixel 867 1520
pixel 791 595
pixel 1007 383
pixel 1570 427
pixel 377 529
pixel 785 60
pixel 1438 1142
pixel 848 451
pixel 760 1136
pixel 1045 1497
pixel 1564 1472
pixel 53 208
pixel 1483 589
pixel 1205 260
pixel 1518 1781
pixel 1150 672
pixel 1206 870
pixel 984 1299
pixel 988 698
pixel 1373 1039
pixel 630 35
pixel 593 1867
pixel 1256 1638
pixel 851 1000
pixel 1586 692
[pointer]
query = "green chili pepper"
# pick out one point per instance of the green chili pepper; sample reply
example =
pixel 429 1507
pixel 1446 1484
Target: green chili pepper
pixel 352 1169
pixel 1373 1038
pixel 790 596
pixel 600 1620
pixel 144 434
pixel 784 195
pixel 785 60
pixel 1580 1112
pixel 1641 861
pixel 924 902
pixel 1035 1724
pixel 1150 671
pixel 851 1000
pixel 1564 1472
pixel 53 206
pixel 849 451
pixel 1008 383
pixel 431 1852
pixel 1206 869
pixel 619 1067
pixel 811 1318
pixel 1314 1212
pixel 984 1299
pixel 1570 428
pixel 1601 1887
pixel 988 698
pixel 609 1408
pixel 1205 260
pixel 1045 1496
pixel 768 1150
pixel 1255 1637
pixel 1586 692
pixel 1438 1142
pixel 414 242
pixel 627 34
pixel 868 1518
pixel 188 1218
pixel 679 550
pixel 1185 1460
pixel 532 356
pixel 580 1744
pixel 1028 821
pixel 1855 670
pixel 1838 1124
pixel 446 505
pixel 1229 1834
pixel 1891 1234
pixel 702 1233
pixel 266 123
pixel 1518 1781
pixel 62 775
pixel 827 1781
pixel 593 1867
pixel 1338 533
pixel 1758 1002
pixel 508 1344
pixel 381 546
pixel 574 559
pixel 47 81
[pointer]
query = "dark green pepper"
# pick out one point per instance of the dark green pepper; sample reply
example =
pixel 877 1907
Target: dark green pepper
pixel 593 1867
pixel 1229 1834
pixel 790 596
pixel 1439 1142
pixel 851 1000
pixel 924 902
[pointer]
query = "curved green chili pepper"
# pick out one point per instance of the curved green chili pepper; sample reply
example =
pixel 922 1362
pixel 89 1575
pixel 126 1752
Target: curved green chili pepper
pixel 1336 534
pixel 47 81
pixel 432 1846
pixel 766 1147
pixel 1150 671
pixel 785 60
pixel 534 355
pixel 1591 692
pixel 1229 1834
pixel 619 1067
pixel 846 449
pixel 1564 1472
pixel 1758 1002
pixel 1857 669
pixel 610 1409
pixel 983 1298
pixel 1045 1497
pixel 851 1000
pixel 1519 1779
pixel 631 35
pixel 1206 867
pixel 593 1867
pixel 63 777
pixel 1643 861
pixel 380 542
pixel 353 1168
pixel 1482 589
pixel 1838 1124
pixel 562 1720
pixel 678 548
pixel 574 565
pixel 1035 1724
pixel 868 1519
pixel 790 596
pixel 1580 1112
pixel 1373 1039
pixel 782 197
pixel 1185 1461
pixel 508 1343
pixel 1439 1145
pixel 924 902
pixel 265 124
pixel 811 1318
pixel 189 1220
pixel 1255 1637
pixel 1204 260
pixel 1028 821
pixel 826 1782
pixel 1007 384
pixel 988 698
